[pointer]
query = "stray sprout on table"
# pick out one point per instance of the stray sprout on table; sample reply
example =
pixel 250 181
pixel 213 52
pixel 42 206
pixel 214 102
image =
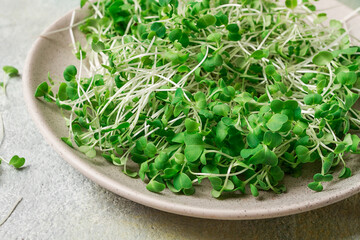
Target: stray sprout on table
pixel 16 161
pixel 238 92
pixel 9 72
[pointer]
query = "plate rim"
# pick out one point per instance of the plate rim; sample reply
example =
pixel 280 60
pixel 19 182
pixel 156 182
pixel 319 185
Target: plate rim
pixel 124 191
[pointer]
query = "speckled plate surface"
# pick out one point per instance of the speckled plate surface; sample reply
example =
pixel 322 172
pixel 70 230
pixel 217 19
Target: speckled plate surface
pixel 52 53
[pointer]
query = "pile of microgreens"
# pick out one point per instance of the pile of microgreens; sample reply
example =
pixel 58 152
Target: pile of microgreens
pixel 239 92
pixel 9 72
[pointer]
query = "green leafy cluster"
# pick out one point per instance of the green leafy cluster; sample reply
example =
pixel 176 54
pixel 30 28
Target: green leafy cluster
pixel 238 93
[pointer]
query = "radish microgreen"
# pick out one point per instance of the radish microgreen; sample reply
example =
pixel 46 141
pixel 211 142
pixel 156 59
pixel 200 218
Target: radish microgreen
pixel 240 93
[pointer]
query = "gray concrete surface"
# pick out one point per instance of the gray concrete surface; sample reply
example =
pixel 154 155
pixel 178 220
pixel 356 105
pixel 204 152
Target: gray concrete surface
pixel 60 203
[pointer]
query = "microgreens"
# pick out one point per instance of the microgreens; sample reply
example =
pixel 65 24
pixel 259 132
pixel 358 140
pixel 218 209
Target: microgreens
pixel 15 161
pixel 9 72
pixel 236 92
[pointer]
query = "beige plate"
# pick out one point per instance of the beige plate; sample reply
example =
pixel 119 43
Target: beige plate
pixel 52 53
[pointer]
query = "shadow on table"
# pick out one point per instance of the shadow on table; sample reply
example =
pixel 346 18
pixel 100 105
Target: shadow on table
pixel 337 221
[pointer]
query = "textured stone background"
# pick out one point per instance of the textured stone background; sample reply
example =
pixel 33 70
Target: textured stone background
pixel 60 203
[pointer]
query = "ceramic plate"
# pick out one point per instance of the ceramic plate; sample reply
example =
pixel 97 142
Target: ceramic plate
pixel 52 53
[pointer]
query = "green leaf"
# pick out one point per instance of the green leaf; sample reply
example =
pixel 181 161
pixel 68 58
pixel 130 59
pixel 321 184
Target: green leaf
pixel 277 173
pixel 300 128
pixel 346 78
pixel 350 100
pixel 183 68
pixel 193 139
pixel 291 4
pixel 150 150
pixel 189 191
pixel 191 125
pixel 205 21
pixel 62 92
pixel 221 131
pixel 323 178
pixel 141 144
pixel 254 191
pixel 229 186
pixel 340 148
pixel 130 173
pixel 72 92
pixel 214 37
pixel 193 152
pixel 303 154
pixel 313 99
pixel 70 73
pixel 179 158
pixel 270 70
pixel 98 46
pixel 17 161
pixel 182 181
pixel 276 122
pixel 88 151
pixel 272 139
pixel 67 141
pixel 345 173
pixel 159 29
pixel 155 186
pixel 42 90
pixel 264 156
pixel 245 153
pixel 161 160
pixel 144 168
pixel 327 163
pixel 291 104
pixel 234 36
pixel 179 96
pixel 221 109
pixel 118 82
pixel 91 153
pixel 316 186
pixel 164 3
pixel 348 51
pixel 221 19
pixel 123 125
pixel 355 142
pixel 259 54
pixel 210 169
pixel 216 183
pixel 252 139
pixel 83 2
pixel 234 28
pixel 184 41
pixel 179 138
pixel 169 173
pixel 175 35
pixel 323 58
pixel 11 71
pixel 200 99
pixel 320 18
pixel 277 105
pixel 215 193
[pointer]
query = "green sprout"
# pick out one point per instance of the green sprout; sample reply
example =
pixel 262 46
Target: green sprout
pixel 16 161
pixel 236 93
pixel 9 72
